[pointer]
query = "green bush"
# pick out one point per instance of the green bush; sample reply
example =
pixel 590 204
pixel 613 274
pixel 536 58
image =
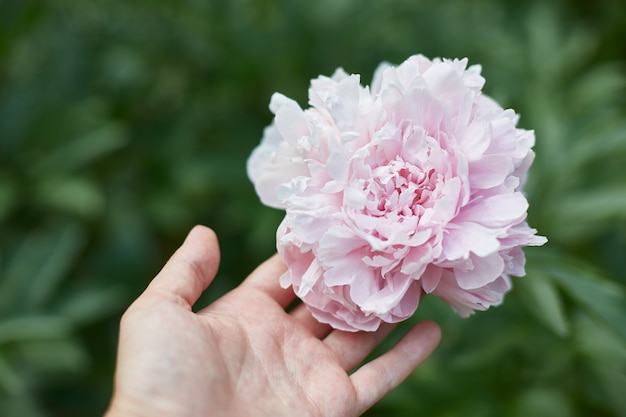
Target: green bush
pixel 124 123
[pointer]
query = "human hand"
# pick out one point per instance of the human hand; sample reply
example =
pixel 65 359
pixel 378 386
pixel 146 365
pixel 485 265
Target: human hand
pixel 244 355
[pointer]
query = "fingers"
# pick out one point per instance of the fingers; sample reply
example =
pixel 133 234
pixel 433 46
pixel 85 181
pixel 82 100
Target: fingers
pixel 266 277
pixel 351 348
pixel 190 270
pixel 375 379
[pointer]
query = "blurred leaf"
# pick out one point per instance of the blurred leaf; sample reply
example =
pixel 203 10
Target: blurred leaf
pixel 10 381
pixel 83 150
pixel 23 264
pixel 611 380
pixel 545 42
pixel 596 145
pixel 54 355
pixel 53 268
pixel 37 266
pixel 24 405
pixel 602 298
pixel 597 84
pixel 23 328
pixel 599 344
pixel 8 196
pixel 606 355
pixel 543 301
pixel 544 402
pixel 167 212
pixel 92 304
pixel 580 215
pixel 606 362
pixel 480 354
pixel 75 195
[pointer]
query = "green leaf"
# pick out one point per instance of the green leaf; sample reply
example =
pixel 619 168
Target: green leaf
pixel 54 355
pixel 580 215
pixel 9 379
pixel 24 404
pixel 84 150
pixel 543 300
pixel 598 85
pixel 92 304
pixel 23 328
pixel 64 250
pixel 611 381
pixel 544 402
pixel 598 343
pixel 8 196
pixel 36 268
pixel 606 360
pixel 76 195
pixel 595 146
pixel 19 267
pixel 601 298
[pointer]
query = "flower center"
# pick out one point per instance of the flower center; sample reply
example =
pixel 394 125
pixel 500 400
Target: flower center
pixel 397 189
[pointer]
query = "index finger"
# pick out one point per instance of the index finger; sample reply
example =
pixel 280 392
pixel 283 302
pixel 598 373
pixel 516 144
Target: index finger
pixel 266 278
pixel 190 270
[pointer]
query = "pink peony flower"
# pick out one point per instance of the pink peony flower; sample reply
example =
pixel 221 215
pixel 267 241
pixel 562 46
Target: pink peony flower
pixel 407 188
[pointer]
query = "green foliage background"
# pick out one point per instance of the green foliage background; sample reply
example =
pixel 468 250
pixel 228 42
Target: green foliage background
pixel 125 122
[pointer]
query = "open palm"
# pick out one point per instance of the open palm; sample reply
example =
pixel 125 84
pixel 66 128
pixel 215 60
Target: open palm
pixel 244 355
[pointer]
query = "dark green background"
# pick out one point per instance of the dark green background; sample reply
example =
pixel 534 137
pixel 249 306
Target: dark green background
pixel 123 123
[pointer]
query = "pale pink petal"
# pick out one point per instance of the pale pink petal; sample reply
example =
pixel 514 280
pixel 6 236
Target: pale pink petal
pixel 484 270
pixel 464 238
pixel 496 211
pixel 273 163
pixel 430 278
pixel 490 171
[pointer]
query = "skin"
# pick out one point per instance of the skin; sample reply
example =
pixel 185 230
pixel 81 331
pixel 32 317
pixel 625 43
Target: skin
pixel 244 355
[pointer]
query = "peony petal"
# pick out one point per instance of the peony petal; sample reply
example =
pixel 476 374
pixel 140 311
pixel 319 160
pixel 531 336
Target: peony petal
pixel 271 164
pixel 336 243
pixel 474 140
pixel 292 124
pixel 463 238
pixel 416 260
pixel 489 171
pixel 465 302
pixel 496 211
pixel 484 271
pixel 337 167
pixel 514 260
pixel 407 304
pixel 443 80
pixel 309 279
pixel 446 207
pixel 383 300
pixel 347 273
pixel 430 278
pixel 377 78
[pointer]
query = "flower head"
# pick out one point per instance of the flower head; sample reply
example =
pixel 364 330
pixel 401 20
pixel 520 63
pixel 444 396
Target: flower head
pixel 410 187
